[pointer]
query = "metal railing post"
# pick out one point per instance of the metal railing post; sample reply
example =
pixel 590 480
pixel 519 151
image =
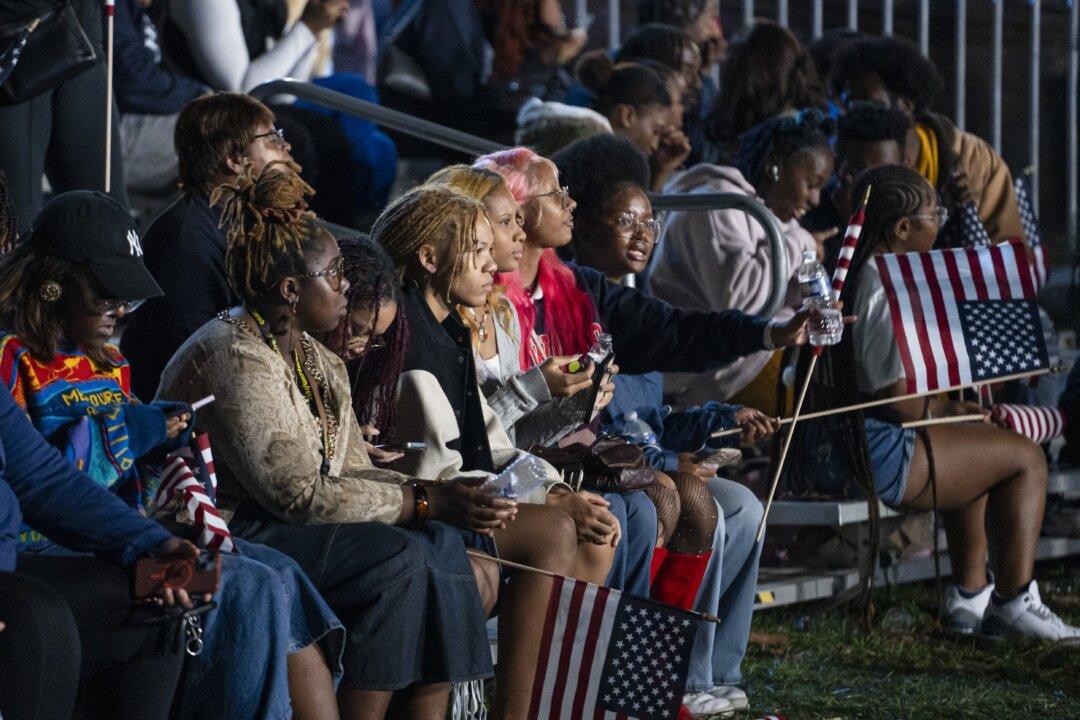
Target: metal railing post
pixel 748 12
pixel 961 62
pixel 1072 141
pixel 1033 135
pixel 924 27
pixel 754 208
pixel 819 19
pixel 887 18
pixel 995 90
pixel 473 145
pixel 581 13
pixel 853 14
pixel 782 12
pixel 613 21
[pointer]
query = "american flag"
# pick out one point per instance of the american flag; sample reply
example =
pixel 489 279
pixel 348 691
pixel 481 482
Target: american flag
pixel 964 316
pixel 847 250
pixel 9 56
pixel 964 230
pixel 188 476
pixel 1030 222
pixel 1039 423
pixel 606 655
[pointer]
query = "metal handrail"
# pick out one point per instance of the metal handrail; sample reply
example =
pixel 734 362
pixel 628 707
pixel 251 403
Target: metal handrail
pixel 473 145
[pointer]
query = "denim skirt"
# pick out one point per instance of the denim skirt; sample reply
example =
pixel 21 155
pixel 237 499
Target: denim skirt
pixel 408 598
pixel 890 449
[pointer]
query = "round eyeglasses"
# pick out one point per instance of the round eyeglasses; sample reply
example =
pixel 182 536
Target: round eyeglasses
pixel 629 225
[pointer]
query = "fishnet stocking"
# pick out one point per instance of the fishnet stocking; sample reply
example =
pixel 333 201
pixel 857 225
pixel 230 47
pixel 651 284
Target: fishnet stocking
pixel 666 499
pixel 697 518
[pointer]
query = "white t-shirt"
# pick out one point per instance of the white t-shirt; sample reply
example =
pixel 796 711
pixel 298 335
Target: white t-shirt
pixel 877 357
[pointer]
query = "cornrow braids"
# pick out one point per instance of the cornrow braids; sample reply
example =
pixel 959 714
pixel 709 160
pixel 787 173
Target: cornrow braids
pixel 373 376
pixel 779 139
pixel 430 215
pixel 268 228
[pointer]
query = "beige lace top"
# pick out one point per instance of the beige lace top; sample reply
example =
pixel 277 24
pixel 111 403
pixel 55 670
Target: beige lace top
pixel 266 443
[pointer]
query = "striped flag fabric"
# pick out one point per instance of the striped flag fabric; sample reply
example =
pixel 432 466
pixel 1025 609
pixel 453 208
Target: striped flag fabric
pixel 606 655
pixel 847 249
pixel 180 482
pixel 1036 422
pixel 1030 221
pixel 963 316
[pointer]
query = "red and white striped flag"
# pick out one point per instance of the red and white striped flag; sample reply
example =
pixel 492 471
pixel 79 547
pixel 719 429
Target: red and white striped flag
pixel 606 655
pixel 964 316
pixel 847 250
pixel 1037 422
pixel 178 480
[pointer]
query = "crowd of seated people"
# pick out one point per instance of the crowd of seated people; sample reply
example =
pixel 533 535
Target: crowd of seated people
pixel 365 388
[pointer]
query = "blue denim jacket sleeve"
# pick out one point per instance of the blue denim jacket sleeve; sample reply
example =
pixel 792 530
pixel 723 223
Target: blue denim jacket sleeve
pixel 63 503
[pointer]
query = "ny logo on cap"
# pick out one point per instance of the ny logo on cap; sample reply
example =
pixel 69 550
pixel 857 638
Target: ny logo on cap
pixel 133 243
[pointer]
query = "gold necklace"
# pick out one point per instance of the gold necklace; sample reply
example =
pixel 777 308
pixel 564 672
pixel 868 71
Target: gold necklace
pixel 481 323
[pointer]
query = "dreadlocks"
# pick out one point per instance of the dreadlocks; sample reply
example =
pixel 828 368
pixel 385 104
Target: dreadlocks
pixel 430 215
pixel 268 227
pixel 373 376
pixel 8 222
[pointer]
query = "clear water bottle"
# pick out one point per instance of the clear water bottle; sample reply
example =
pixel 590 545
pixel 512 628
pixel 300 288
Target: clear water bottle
pixel 637 431
pixel 828 326
pixel 601 348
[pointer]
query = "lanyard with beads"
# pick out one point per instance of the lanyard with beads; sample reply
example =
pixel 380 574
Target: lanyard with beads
pixel 305 385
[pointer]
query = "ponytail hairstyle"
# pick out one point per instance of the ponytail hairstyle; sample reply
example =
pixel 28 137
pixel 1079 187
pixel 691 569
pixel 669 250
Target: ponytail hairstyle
pixel 767 72
pixel 269 230
pixel 478 183
pixel 779 139
pixel 430 215
pixel 373 376
pixel 568 311
pixel 613 84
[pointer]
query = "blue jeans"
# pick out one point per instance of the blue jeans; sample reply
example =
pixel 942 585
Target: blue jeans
pixel 633 556
pixel 727 589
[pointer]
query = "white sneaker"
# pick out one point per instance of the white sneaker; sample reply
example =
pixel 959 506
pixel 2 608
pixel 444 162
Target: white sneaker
pixel 1026 616
pixel 965 615
pixel 732 694
pixel 704 705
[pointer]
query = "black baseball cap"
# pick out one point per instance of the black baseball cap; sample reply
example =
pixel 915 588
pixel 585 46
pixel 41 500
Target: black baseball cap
pixel 90 228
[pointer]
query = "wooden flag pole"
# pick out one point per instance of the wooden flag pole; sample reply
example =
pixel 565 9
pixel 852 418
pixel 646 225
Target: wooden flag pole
pixel 948 420
pixel 889 401
pixel 528 568
pixel 110 20
pixel 787 444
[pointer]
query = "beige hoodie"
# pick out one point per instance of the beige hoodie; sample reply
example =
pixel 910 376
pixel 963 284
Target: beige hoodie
pixel 720 260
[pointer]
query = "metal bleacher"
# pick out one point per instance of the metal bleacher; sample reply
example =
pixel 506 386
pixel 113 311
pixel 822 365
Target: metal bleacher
pixel 777 586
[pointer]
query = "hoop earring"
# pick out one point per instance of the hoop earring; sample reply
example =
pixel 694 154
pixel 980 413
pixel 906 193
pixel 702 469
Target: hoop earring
pixel 50 291
pixel 774 173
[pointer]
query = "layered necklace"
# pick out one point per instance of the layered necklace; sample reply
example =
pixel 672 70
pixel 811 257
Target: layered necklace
pixel 481 322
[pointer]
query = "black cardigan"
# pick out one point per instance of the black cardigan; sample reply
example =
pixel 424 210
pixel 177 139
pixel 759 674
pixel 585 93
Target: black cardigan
pixel 445 350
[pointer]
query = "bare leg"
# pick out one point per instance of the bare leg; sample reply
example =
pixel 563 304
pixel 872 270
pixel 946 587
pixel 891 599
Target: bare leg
pixel 593 562
pixel 965 530
pixel 487 581
pixel 973 461
pixel 363 704
pixel 311 686
pixel 421 702
pixel 544 538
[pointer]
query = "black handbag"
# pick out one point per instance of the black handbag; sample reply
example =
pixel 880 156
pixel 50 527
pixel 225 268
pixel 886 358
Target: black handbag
pixel 56 49
pixel 598 463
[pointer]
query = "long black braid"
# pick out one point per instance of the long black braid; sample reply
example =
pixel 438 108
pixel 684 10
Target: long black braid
pixel 897 192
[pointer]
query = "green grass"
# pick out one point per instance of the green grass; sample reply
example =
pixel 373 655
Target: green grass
pixel 800 665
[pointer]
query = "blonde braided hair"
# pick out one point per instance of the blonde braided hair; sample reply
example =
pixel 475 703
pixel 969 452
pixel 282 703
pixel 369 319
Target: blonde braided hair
pixel 267 225
pixel 430 215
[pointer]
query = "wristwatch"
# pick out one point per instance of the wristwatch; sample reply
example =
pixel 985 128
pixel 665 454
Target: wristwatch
pixel 421 508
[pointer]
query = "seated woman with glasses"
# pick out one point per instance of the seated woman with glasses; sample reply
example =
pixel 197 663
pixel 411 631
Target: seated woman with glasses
pixel 294 473
pixel 62 290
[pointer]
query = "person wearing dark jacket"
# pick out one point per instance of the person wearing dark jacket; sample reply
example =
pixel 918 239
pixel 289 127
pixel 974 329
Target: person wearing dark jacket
pixel 63 613
pixel 216 135
pixel 150 97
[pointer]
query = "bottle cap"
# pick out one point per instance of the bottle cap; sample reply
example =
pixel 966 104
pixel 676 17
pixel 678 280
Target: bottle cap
pixel 631 416
pixel 809 256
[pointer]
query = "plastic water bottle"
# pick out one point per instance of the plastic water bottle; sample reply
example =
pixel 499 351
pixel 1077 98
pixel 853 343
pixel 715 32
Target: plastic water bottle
pixel 601 348
pixel 637 431
pixel 828 326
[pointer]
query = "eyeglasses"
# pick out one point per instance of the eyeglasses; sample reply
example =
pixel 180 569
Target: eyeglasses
pixel 562 195
pixel 113 306
pixel 941 214
pixel 365 342
pixel 277 136
pixel 332 274
pixel 629 226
